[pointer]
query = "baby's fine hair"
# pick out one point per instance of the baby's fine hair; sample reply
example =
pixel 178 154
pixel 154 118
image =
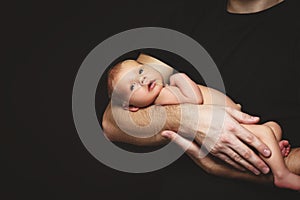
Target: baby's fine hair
pixel 112 75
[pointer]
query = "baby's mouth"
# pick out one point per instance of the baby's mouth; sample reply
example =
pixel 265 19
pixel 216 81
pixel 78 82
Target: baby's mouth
pixel 151 85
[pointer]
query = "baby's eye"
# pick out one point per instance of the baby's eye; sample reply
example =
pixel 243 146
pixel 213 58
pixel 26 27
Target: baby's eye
pixel 132 87
pixel 141 71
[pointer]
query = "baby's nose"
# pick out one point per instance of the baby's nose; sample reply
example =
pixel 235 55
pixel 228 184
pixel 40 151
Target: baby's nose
pixel 144 80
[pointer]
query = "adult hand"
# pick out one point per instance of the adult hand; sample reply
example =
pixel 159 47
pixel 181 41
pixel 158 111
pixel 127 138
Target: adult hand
pixel 210 164
pixel 218 129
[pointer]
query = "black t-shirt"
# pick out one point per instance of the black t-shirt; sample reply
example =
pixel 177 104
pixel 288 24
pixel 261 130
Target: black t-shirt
pixel 258 57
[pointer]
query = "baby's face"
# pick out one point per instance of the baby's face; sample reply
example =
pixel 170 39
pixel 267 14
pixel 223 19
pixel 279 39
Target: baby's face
pixel 140 84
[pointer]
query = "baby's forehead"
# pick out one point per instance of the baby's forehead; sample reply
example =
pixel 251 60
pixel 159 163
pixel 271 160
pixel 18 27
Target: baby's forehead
pixel 130 64
pixel 126 67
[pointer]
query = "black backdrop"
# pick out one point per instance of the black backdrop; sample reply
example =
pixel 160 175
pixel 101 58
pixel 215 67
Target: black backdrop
pixel 42 156
pixel 45 43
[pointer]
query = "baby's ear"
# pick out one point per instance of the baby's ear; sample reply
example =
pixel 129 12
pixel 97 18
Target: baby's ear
pixel 130 108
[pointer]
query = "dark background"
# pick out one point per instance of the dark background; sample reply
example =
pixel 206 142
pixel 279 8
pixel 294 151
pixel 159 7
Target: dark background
pixel 42 156
pixel 45 43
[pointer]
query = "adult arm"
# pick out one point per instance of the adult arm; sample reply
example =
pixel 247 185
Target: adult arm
pixel 141 118
pixel 221 137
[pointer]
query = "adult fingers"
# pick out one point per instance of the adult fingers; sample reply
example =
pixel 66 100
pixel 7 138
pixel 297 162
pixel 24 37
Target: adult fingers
pixel 251 140
pixel 247 158
pixel 241 116
pixel 191 148
pixel 242 161
pixel 195 152
pixel 247 136
pixel 228 160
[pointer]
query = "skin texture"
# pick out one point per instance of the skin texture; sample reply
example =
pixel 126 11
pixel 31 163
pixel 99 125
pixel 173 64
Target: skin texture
pixel 209 163
pixel 216 167
pixel 138 83
pixel 227 126
pixel 270 133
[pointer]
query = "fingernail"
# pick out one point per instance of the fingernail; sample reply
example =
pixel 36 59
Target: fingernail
pixel 254 118
pixel 267 152
pixel 265 170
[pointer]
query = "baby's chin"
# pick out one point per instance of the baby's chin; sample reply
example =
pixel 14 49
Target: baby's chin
pixel 159 82
pixel 158 87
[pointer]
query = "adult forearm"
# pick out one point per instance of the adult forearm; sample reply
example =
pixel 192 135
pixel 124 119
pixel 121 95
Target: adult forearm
pixel 215 127
pixel 136 130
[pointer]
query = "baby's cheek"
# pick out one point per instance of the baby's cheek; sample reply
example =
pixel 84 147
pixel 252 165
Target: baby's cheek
pixel 138 99
pixel 146 99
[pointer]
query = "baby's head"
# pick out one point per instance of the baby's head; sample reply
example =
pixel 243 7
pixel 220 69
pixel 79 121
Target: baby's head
pixel 136 85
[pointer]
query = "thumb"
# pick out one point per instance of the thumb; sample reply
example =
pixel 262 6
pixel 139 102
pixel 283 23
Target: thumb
pixel 189 146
